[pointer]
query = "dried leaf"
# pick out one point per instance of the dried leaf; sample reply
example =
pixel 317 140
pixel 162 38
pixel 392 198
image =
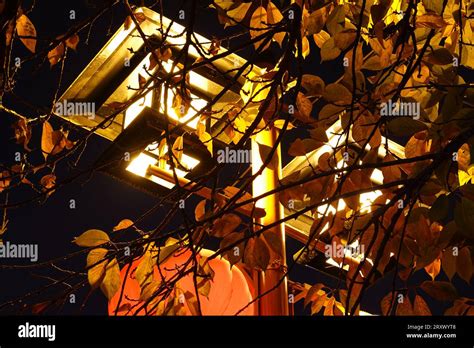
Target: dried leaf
pixel 56 54
pixel 225 225
pixel 464 264
pixel 337 94
pixel 304 106
pixel 48 181
pixel 261 254
pixel 441 291
pixel 72 41
pixel 314 85
pixel 448 263
pixel 420 307
pixel 235 254
pixel 430 20
pixel 22 132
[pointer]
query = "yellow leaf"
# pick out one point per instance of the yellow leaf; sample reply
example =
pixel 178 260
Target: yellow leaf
pixel 92 238
pixel 434 268
pixel 465 177
pixel 56 54
pixel 96 273
pixel 258 25
pixel 111 283
pixel 144 271
pixel 124 224
pixel 178 148
pixel 305 47
pixel 274 16
pixel 320 38
pixel 224 4
pixel 200 210
pixel 47 144
pixel 238 13
pixel 329 51
pixel 27 32
pixel 206 139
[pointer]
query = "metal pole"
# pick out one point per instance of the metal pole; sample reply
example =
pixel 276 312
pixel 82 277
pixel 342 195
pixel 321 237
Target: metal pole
pixel 276 301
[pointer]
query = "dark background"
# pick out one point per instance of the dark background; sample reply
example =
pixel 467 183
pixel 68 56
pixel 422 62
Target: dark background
pixel 101 201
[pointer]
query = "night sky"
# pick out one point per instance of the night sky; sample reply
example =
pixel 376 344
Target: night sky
pixel 101 201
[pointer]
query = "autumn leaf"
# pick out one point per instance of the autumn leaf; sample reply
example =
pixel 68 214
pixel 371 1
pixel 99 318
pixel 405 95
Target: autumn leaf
pixel 234 254
pixel 464 264
pixel 206 139
pixel 439 290
pixel 336 19
pixel 22 132
pixel 304 106
pixel 329 307
pixel 96 271
pixel 225 225
pixel 200 210
pixel 448 263
pixel 27 32
pixel 265 152
pixel 256 254
pixel 434 268
pixel 181 102
pixel 144 271
pixel 224 4
pixel 404 307
pixel 56 54
pixel 163 54
pixel 258 25
pixel 420 307
pixel 313 84
pixel 337 94
pixel 123 225
pixel 111 283
pixel 238 14
pixel 92 238
pixel 274 17
pixel 316 20
pixel 5 180
pixel 72 41
pixel 274 240
pixel 344 39
pixel 430 20
pixel 303 147
pixel 177 149
pixel 313 293
pixel 261 254
pixel 329 50
pixel 321 38
pixel 464 217
pixel 47 144
pixel 48 181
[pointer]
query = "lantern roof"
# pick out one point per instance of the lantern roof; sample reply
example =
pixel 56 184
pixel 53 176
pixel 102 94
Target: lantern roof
pixel 116 74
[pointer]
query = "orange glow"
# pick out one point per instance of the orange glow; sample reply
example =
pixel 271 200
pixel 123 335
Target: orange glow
pixel 231 289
